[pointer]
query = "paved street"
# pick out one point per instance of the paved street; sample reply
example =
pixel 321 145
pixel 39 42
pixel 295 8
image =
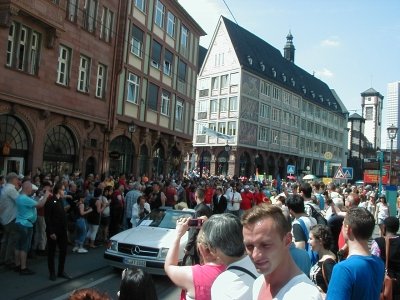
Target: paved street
pixel 87 270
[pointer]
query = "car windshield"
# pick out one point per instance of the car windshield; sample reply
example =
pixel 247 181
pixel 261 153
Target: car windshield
pixel 164 218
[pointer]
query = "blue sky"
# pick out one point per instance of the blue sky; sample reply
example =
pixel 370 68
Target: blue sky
pixel 352 45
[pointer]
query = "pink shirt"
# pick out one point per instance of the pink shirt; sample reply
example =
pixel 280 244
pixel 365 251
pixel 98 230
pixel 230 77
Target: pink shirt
pixel 203 278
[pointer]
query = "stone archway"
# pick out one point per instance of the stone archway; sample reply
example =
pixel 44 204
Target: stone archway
pixel 121 153
pixel 60 150
pixel 271 166
pixel 158 160
pixel 244 165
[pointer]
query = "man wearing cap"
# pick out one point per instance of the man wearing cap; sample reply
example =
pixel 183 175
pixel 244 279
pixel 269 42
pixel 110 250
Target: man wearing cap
pixel 8 213
pixel 26 217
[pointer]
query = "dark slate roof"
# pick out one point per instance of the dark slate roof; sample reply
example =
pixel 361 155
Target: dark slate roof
pixel 249 46
pixel 355 116
pixel 202 57
pixel 371 92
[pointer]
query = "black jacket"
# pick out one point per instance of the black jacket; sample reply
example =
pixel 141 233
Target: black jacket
pixel 201 209
pixel 219 207
pixel 55 216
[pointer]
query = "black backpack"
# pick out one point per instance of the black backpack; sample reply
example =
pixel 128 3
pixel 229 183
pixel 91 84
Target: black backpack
pixel 317 216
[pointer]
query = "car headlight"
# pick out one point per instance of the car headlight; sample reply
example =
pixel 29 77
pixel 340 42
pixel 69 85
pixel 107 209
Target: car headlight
pixel 113 245
pixel 162 254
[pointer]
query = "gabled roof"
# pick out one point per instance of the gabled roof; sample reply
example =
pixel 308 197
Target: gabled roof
pixel 258 57
pixel 355 116
pixel 371 92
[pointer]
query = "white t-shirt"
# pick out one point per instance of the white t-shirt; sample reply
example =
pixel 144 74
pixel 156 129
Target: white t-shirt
pixel 299 287
pixel 233 284
pixel 234 197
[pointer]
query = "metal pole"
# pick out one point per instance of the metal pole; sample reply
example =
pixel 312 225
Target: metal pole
pixel 380 173
pixel 390 163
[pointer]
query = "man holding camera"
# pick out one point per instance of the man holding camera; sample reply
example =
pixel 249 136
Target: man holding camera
pixel 201 209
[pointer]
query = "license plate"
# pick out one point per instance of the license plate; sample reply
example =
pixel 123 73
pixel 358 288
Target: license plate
pixel 135 262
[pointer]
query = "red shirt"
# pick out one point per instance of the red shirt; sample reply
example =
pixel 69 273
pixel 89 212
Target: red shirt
pixel 208 196
pixel 247 200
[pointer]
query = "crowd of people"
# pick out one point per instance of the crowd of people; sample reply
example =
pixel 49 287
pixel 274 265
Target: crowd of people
pixel 302 237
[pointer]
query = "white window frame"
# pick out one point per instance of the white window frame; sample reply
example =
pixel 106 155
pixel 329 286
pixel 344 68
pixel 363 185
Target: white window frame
pixel 215 83
pixel 159 14
pixel 232 128
pixel 263 134
pixel 264 111
pixel 84 74
pixel 72 10
pixel 90 10
pixel 222 127
pixel 101 80
pixel 133 84
pixel 265 88
pixel 275 114
pixel 284 139
pixel 274 137
pixel 179 110
pixel 141 5
pixel 184 42
pixel 223 104
pixel 224 81
pixel 171 22
pixel 10 45
pixel 214 106
pixel 167 68
pixel 203 106
pixel 107 19
pixel 136 45
pixel 34 52
pixel 64 62
pixel 22 45
pixel 233 103
pixel 165 103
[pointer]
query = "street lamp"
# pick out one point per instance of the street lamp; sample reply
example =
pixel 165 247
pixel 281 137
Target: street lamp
pixel 379 155
pixel 392 132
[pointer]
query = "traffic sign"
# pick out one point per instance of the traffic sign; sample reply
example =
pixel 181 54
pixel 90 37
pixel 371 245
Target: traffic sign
pixel 339 174
pixel 290 169
pixel 348 172
pixel 328 155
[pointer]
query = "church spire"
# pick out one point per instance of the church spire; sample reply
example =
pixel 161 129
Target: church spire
pixel 288 50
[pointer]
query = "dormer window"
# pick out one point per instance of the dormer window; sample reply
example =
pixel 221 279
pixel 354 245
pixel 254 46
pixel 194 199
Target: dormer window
pixel 335 106
pixel 304 89
pixel 262 66
pixel 273 72
pixel 293 82
pixel 312 94
pixel 284 77
pixel 249 59
pixel 321 98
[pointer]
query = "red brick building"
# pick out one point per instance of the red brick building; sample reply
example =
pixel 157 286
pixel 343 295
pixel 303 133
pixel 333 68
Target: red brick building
pixel 65 82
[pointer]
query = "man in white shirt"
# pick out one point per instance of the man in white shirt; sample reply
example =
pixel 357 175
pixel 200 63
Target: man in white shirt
pixel 234 198
pixel 223 233
pixel 267 239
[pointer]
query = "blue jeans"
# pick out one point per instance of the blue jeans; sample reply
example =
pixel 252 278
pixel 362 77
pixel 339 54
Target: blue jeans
pixel 80 232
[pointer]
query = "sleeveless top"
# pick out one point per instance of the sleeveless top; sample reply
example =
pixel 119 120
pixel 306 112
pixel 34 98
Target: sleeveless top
pixel 203 278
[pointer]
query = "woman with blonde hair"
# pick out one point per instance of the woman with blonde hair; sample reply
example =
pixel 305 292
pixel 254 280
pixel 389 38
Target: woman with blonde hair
pixel 195 281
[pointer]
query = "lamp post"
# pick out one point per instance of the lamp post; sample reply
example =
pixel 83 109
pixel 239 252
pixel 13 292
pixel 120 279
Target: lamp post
pixel 379 155
pixel 227 148
pixel 392 132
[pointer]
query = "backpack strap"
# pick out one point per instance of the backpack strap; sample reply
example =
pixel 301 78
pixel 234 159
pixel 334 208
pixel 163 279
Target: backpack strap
pixel 303 226
pixel 243 270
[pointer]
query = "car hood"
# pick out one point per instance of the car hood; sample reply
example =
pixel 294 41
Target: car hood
pixel 154 237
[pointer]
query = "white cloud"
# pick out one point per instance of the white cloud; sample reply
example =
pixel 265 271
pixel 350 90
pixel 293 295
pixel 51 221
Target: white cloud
pixel 324 73
pixel 331 42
